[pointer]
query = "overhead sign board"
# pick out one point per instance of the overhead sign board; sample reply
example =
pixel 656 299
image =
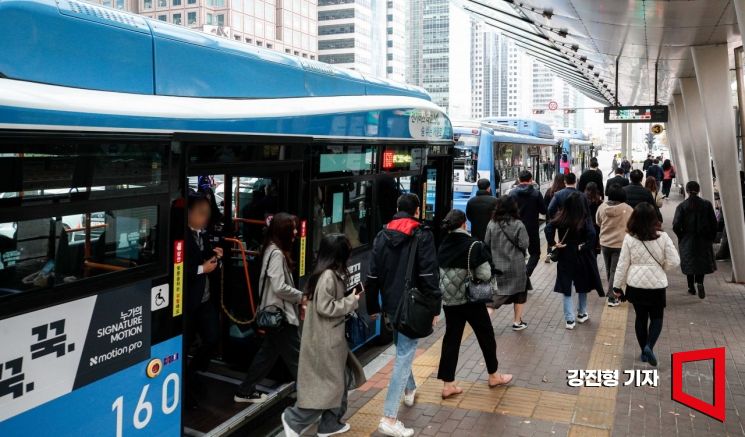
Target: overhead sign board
pixel 636 114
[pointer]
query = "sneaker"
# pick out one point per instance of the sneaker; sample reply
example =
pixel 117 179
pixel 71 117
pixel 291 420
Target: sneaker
pixel 643 357
pixel 288 431
pixel 409 398
pixel 692 291
pixel 397 430
pixel 570 324
pixel 651 358
pixel 519 326
pixel 253 398
pixel 701 291
pixel 613 302
pixel 582 318
pixel 343 429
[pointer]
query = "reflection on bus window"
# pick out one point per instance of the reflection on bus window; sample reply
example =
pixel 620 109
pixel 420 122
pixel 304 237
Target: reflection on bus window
pixel 343 208
pixel 466 159
pixel 506 160
pixel 73 171
pixel 51 251
pixel 389 189
pixel 256 199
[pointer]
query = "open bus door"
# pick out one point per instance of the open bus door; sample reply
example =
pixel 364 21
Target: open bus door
pixel 247 194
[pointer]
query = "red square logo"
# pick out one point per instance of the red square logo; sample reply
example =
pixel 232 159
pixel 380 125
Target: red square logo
pixel 718 409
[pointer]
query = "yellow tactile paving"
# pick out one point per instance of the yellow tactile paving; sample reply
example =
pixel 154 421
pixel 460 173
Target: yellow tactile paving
pixel 590 413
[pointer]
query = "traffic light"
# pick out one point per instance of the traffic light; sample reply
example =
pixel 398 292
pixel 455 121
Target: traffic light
pixel 570 111
pixel 539 111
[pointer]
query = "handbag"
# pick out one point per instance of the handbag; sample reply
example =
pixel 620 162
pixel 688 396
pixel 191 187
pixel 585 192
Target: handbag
pixel 415 310
pixel 477 291
pixel 270 317
pixel 554 255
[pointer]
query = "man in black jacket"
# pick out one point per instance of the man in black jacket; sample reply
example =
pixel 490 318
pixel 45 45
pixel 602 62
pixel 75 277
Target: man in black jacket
pixel 618 179
pixel 656 172
pixel 647 162
pixel 386 280
pixel 531 204
pixel 593 174
pixel 480 208
pixel 636 193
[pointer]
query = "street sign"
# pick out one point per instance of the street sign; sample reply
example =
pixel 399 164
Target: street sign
pixel 656 129
pixel 553 106
pixel 636 114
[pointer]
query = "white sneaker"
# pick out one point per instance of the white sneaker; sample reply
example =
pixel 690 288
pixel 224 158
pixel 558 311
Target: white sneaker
pixel 409 398
pixel 582 318
pixel 570 325
pixel 397 430
pixel 288 431
pixel 344 429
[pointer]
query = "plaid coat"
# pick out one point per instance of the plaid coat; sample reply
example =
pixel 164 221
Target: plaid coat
pixel 508 241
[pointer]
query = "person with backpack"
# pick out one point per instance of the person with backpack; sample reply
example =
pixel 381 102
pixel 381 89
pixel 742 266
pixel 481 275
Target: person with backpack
pixel 646 253
pixel 507 239
pixel 668 174
pixel 327 368
pixel 277 294
pixel 403 250
pixel 612 217
pixel 695 225
pixel 463 260
pixel 530 204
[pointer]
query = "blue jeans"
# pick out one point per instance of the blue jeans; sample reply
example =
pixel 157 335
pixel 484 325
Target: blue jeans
pixel 569 306
pixel 401 378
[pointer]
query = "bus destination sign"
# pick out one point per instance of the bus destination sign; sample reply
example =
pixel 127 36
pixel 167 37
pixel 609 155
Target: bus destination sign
pixel 636 114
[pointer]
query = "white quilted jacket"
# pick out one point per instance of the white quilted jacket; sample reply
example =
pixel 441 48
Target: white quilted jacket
pixel 642 268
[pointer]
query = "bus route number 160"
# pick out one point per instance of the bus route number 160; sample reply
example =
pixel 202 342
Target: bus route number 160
pixel 143 412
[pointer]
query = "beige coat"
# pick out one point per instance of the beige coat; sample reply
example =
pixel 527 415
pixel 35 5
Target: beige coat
pixel 612 218
pixel 324 353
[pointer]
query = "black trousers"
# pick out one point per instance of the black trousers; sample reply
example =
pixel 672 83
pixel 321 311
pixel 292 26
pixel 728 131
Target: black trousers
pixel 534 250
pixel 648 324
pixel 455 321
pixel 284 344
pixel 698 279
pixel 204 321
pixel 666 185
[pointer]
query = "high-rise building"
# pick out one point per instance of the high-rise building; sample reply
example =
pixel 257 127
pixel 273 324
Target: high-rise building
pixel 395 51
pixel 288 26
pixel 345 34
pixel 500 76
pixel 439 40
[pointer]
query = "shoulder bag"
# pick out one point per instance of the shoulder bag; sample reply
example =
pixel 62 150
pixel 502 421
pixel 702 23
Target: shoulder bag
pixel 415 310
pixel 477 291
pixel 270 317
pixel 554 255
pixel 650 254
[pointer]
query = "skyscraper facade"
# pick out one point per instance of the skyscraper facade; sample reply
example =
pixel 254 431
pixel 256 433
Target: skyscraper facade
pixel 288 26
pixel 439 40
pixel 345 34
pixel 395 50
pixel 500 76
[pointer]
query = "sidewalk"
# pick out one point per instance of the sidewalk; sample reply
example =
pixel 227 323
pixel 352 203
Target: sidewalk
pixel 540 403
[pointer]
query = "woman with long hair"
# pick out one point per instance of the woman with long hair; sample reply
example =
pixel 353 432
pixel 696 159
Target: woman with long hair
pixel 577 264
pixel 457 252
pixel 508 241
pixel 668 173
pixel 645 255
pixel 276 289
pixel 695 224
pixel 651 184
pixel 327 367
pixel 557 185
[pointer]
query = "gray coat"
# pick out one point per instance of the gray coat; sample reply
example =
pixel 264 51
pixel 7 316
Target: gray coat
pixel 324 353
pixel 280 287
pixel 507 258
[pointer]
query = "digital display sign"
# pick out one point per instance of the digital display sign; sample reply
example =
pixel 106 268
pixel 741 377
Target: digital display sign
pixel 636 114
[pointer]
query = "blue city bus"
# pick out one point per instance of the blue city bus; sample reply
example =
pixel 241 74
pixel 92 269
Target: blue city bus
pixel 576 144
pixel 497 149
pixel 107 120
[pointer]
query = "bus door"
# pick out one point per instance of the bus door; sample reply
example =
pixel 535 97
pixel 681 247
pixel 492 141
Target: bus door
pixel 247 191
pixel 534 163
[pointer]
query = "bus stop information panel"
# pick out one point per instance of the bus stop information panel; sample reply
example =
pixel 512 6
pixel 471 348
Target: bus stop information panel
pixel 636 114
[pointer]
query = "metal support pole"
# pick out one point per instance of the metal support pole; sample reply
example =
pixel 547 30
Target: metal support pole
pixel 655 83
pixel 617 103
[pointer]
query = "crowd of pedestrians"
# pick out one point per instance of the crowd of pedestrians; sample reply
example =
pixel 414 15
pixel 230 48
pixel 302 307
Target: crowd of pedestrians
pixel 473 271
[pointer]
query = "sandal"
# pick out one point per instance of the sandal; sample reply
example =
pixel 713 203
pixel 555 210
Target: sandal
pixel 504 378
pixel 456 391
